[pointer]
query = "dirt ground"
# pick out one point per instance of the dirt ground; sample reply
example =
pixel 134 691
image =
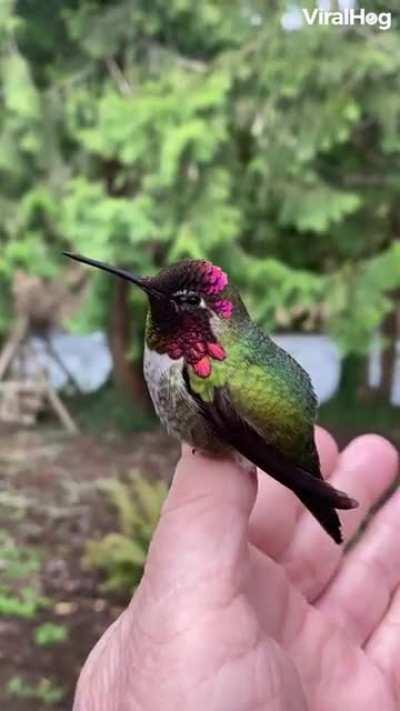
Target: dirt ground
pixel 49 501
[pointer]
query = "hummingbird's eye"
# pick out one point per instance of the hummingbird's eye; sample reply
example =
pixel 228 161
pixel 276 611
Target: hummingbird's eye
pixel 192 300
pixel 188 299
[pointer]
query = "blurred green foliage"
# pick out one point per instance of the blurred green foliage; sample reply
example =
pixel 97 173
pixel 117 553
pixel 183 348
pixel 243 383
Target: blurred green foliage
pixel 20 589
pixel 121 555
pixel 25 603
pixel 140 133
pixel 45 690
pixel 49 633
pixel 16 561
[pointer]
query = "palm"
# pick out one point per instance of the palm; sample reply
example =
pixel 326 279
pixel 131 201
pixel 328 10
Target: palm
pixel 286 623
pixel 334 668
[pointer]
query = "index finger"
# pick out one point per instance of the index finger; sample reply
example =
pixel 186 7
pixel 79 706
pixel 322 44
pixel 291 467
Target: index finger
pixel 204 522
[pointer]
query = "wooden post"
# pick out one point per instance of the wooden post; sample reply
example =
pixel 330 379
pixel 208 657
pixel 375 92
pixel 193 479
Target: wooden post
pixel 60 410
pixel 12 345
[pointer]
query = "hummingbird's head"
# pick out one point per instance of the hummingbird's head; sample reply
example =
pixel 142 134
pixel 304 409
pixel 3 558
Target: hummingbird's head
pixel 190 303
pixel 193 286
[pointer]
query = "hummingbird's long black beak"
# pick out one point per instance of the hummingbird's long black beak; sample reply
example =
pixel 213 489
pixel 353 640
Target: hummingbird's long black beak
pixel 141 282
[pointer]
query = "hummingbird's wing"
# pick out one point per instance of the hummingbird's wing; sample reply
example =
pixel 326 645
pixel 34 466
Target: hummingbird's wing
pixel 234 429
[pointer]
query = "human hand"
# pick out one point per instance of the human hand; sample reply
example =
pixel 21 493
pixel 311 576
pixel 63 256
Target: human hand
pixel 247 604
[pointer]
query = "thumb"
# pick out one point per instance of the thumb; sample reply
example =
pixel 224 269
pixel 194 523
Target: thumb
pixel 193 565
pixel 202 532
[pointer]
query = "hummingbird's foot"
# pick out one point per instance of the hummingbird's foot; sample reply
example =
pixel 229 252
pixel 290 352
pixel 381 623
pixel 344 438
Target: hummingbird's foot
pixel 194 451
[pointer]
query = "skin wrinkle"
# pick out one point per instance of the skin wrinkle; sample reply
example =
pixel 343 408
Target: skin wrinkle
pixel 284 599
pixel 217 574
pixel 395 683
pixel 147 658
pixel 168 509
pixel 122 672
pixel 311 569
pixel 283 689
pixel 257 562
pixel 233 503
pixel 379 651
pixel 314 575
pixel 341 683
pixel 258 643
pixel 98 654
pixel 394 671
pixel 240 573
pixel 233 659
pixel 210 577
pixel 351 621
pixel 235 545
pixel 335 673
pixel 129 670
pixel 270 640
pixel 178 632
pixel 382 571
pixel 292 639
pixel 232 656
pixel 392 531
pixel 109 671
pixel 321 650
pixel 185 589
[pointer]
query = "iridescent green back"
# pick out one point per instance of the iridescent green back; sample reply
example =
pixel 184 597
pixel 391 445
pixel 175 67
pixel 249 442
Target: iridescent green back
pixel 268 388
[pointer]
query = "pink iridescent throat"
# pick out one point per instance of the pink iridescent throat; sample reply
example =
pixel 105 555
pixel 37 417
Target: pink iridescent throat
pixel 196 341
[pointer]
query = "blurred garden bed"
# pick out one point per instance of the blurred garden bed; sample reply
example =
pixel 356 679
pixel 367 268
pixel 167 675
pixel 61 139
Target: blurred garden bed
pixel 52 610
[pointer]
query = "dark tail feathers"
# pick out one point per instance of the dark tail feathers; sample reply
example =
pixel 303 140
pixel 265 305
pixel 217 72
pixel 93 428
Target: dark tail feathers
pixel 321 499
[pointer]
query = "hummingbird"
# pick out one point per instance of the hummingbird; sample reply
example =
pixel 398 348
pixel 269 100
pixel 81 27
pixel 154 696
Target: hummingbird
pixel 219 383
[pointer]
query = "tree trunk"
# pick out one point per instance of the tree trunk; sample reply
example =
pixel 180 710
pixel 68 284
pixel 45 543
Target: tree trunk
pixel 366 393
pixel 390 332
pixel 128 376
